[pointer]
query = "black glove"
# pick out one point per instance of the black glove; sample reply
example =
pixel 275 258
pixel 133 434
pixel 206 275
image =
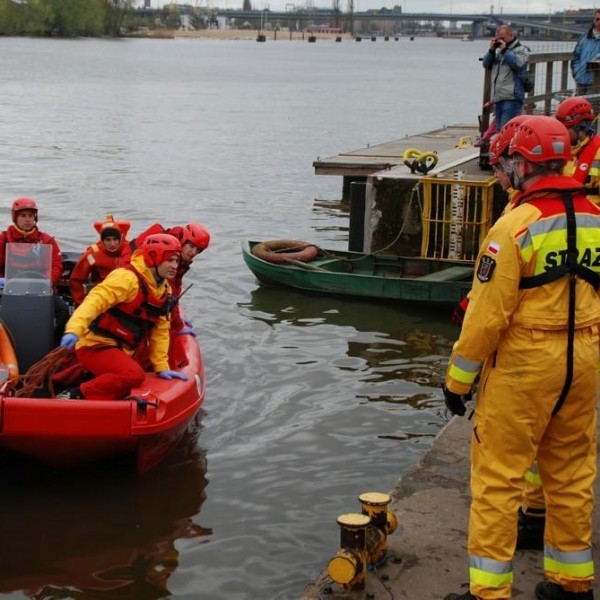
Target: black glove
pixel 455 402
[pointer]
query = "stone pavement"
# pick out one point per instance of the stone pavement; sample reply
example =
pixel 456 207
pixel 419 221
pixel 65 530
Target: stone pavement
pixel 427 552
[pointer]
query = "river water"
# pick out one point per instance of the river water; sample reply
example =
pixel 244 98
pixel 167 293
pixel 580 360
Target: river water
pixel 310 400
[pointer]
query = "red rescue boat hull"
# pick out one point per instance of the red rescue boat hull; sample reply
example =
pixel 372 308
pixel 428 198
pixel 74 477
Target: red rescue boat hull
pixel 68 433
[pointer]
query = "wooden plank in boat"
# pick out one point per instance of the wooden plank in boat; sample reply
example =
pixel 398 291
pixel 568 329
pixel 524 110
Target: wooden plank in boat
pixel 449 274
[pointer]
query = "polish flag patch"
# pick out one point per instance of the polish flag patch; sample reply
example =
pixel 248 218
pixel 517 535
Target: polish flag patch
pixel 493 248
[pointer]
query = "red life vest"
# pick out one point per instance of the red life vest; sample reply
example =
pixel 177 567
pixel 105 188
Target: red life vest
pixel 129 322
pixel 584 159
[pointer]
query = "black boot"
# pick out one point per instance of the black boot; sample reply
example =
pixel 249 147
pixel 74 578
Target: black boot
pixel 465 596
pixel 547 590
pixel 530 530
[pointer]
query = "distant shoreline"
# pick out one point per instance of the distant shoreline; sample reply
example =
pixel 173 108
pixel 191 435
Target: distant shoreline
pixel 240 34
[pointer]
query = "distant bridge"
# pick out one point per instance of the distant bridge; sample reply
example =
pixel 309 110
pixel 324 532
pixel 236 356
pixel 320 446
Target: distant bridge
pixel 571 24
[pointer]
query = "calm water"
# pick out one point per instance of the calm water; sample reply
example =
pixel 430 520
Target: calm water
pixel 311 401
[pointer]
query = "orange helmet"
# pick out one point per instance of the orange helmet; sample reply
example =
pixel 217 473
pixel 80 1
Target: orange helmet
pixel 541 139
pixel 110 227
pixel 23 204
pixel 195 234
pixel 501 141
pixel 574 110
pixel 159 247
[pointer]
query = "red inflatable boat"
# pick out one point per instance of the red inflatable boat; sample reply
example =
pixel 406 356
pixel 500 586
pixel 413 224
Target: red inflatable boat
pixel 67 433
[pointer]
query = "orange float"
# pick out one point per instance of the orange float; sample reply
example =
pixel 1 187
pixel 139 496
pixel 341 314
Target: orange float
pixel 281 251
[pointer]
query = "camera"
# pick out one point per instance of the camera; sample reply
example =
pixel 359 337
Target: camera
pixel 497 44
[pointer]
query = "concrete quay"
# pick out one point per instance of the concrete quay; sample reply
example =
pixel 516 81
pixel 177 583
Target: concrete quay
pixel 427 555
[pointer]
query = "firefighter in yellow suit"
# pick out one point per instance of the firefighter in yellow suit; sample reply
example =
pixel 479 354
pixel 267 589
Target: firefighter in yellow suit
pixel 577 115
pixel 532 330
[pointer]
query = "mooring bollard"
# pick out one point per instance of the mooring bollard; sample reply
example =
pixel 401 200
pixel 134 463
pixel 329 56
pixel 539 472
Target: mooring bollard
pixel 383 522
pixel 349 566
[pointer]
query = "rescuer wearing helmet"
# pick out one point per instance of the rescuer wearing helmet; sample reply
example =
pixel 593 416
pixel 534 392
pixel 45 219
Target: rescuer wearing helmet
pixel 128 310
pixel 577 115
pixel 99 259
pixel 24 230
pixel 532 329
pixel 194 239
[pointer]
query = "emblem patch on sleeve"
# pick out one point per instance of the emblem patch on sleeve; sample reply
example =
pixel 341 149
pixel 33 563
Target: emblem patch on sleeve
pixel 485 268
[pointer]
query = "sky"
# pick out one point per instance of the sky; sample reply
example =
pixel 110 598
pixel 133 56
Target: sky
pixel 441 6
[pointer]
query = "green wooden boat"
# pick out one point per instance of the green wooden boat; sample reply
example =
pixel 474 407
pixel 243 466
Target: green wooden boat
pixel 428 282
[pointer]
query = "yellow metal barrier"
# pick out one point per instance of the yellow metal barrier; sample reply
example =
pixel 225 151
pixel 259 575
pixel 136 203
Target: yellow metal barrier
pixel 457 214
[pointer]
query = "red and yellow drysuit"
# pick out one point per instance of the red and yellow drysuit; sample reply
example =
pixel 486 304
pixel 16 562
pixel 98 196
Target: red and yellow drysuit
pixel 517 336
pixel 119 315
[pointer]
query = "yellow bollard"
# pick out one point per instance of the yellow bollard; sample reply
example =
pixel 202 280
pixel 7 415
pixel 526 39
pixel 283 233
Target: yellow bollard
pixel 349 566
pixel 383 522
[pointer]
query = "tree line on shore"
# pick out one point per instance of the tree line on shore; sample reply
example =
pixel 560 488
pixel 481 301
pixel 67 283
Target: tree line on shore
pixel 72 18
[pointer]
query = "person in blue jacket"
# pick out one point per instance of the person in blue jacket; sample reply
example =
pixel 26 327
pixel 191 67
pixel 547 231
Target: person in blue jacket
pixel 586 49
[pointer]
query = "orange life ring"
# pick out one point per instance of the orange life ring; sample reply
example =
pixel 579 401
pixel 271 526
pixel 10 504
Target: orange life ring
pixel 8 358
pixel 281 251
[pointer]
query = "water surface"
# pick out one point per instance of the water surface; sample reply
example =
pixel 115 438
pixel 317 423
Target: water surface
pixel 310 400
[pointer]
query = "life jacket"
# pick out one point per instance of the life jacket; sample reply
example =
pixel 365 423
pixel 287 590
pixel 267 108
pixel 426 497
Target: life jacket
pixel 584 159
pixel 565 188
pixel 569 268
pixel 101 262
pixel 153 229
pixel 129 322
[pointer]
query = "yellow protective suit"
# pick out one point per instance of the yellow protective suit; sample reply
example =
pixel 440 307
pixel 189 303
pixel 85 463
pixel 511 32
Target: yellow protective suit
pixel 588 171
pixel 121 285
pixel 517 338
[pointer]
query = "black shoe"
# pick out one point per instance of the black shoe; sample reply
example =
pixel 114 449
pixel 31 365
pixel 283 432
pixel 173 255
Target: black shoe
pixel 465 596
pixel 547 590
pixel 530 531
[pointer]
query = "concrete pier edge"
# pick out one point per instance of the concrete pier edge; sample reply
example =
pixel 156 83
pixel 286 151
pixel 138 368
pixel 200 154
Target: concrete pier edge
pixel 427 556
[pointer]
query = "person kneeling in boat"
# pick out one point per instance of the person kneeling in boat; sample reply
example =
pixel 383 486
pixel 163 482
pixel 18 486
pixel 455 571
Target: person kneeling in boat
pixel 100 258
pixel 122 315
pixel 194 239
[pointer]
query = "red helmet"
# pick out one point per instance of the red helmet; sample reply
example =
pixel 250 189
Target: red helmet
pixel 195 234
pixel 160 247
pixel 23 204
pixel 572 111
pixel 541 139
pixel 501 141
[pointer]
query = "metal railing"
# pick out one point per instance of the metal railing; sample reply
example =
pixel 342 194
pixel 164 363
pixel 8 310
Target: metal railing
pixel 552 84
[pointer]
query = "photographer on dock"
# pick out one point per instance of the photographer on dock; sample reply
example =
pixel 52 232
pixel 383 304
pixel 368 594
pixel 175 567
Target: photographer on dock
pixel 508 60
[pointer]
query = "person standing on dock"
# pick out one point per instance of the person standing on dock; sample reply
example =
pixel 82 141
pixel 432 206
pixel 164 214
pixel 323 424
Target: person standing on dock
pixel 507 59
pixel 586 49
pixel 532 328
